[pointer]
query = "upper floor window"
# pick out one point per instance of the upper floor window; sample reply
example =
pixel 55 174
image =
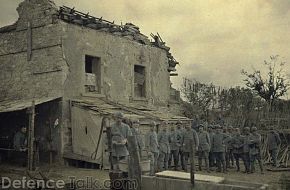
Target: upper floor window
pixel 93 74
pixel 139 81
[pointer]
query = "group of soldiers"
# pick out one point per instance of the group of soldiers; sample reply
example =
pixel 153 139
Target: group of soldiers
pixel 220 147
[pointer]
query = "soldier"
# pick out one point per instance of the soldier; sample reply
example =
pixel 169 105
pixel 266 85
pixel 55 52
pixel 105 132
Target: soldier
pixel 218 148
pixel 274 142
pixel 255 152
pixel 164 147
pixel 152 147
pixel 179 132
pixel 137 133
pixel 228 144
pixel 189 140
pixel 237 143
pixel 20 145
pixel 246 150
pixel 20 140
pixel 120 133
pixel 211 130
pixel 203 148
pixel 174 147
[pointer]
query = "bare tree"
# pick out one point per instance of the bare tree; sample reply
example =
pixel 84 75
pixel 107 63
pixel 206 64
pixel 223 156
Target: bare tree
pixel 199 95
pixel 272 86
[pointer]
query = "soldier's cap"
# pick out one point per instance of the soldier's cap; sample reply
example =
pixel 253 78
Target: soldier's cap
pixel 163 123
pixel 247 128
pixel 254 129
pixel 218 127
pixel 179 122
pixel 135 121
pixel 200 126
pixel 119 115
pixel 230 127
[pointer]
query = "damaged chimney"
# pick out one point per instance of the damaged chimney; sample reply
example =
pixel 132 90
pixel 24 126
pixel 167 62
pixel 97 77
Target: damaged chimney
pixel 37 12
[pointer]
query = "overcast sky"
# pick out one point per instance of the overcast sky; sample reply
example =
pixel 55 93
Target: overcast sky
pixel 212 39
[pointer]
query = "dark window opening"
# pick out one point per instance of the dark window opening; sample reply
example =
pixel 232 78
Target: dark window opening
pixel 139 81
pixel 93 74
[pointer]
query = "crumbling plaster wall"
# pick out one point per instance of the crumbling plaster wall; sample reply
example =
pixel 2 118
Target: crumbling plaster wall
pixel 118 57
pixel 44 74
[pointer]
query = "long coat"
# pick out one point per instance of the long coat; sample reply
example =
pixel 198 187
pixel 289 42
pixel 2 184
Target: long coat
pixel 174 140
pixel 120 133
pixel 273 140
pixel 189 137
pixel 255 143
pixel 204 141
pixel 163 141
pixel 218 142
pixel 151 142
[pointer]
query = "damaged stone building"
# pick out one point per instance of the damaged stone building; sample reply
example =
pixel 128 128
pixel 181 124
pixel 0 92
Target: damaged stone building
pixel 77 69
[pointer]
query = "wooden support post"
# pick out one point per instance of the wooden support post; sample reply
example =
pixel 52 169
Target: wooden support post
pixel 29 41
pixel 192 163
pixel 30 163
pixel 134 167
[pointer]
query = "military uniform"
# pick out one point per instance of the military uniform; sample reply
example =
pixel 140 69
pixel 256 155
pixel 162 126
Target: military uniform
pixel 189 136
pixel 120 133
pixel 152 148
pixel 229 150
pixel 274 142
pixel 237 143
pixel 20 141
pixel 174 148
pixel 255 153
pixel 246 152
pixel 164 150
pixel 179 133
pixel 218 148
pixel 139 140
pixel 203 149
pixel 20 145
pixel 211 154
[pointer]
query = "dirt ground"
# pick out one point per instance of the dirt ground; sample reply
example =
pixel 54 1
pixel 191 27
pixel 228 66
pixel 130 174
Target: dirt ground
pixel 64 173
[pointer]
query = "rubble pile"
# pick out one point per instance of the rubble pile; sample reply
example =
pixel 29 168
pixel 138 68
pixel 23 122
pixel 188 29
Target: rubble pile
pixel 129 30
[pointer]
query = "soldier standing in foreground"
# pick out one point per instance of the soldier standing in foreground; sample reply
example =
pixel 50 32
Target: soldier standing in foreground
pixel 255 152
pixel 211 130
pixel 120 133
pixel 179 132
pixel 189 139
pixel 203 148
pixel 164 147
pixel 246 150
pixel 174 147
pixel 218 147
pixel 274 142
pixel 152 147
pixel 136 132
pixel 237 143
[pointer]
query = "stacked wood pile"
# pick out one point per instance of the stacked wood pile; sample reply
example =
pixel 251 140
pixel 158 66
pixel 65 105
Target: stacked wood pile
pixel 283 153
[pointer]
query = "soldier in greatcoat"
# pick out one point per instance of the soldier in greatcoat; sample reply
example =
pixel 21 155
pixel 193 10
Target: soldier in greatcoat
pixel 152 147
pixel 164 147
pixel 203 148
pixel 189 142
pixel 120 133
